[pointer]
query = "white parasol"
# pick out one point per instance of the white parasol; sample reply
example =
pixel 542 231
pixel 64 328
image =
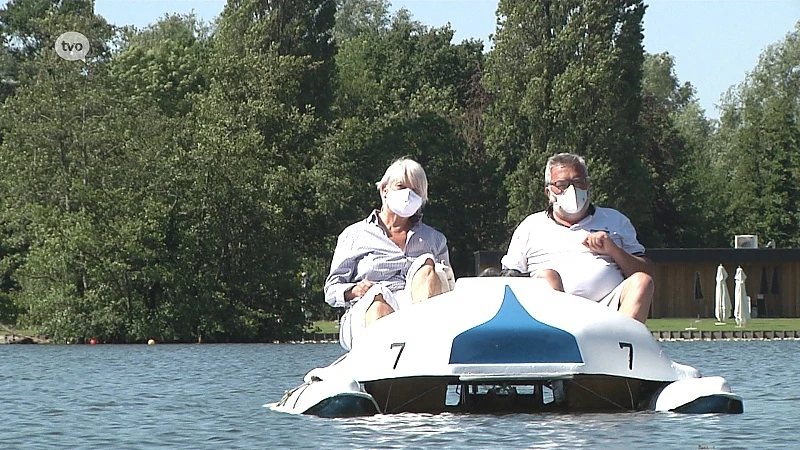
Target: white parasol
pixel 722 299
pixel 741 309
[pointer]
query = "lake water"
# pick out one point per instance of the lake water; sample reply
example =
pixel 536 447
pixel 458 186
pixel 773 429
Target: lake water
pixel 212 397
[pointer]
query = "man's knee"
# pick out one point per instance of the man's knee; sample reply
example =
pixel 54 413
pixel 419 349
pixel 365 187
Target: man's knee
pixel 637 296
pixel 548 274
pixel 641 283
pixel 552 277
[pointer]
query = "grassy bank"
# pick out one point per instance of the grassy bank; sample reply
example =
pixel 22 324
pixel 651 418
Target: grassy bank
pixel 325 326
pixel 778 324
pixel 9 334
pixel 680 324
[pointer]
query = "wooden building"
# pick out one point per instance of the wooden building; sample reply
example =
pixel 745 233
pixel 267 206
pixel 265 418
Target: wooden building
pixel 772 280
pixel 685 279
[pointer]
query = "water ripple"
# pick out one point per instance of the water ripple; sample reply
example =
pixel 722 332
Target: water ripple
pixel 212 397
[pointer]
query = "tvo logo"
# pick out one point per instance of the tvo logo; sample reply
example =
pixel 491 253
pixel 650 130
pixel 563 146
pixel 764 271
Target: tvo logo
pixel 72 46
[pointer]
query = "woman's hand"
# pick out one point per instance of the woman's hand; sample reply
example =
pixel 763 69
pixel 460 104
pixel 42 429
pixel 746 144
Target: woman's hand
pixel 359 289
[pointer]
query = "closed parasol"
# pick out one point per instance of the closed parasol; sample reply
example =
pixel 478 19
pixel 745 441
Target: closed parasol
pixel 722 299
pixel 741 310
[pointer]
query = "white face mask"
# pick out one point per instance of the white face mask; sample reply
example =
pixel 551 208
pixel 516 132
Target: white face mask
pixel 403 202
pixel 571 201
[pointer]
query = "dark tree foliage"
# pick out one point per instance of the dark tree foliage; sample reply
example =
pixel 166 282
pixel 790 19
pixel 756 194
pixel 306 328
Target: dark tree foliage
pixel 674 155
pixel 188 181
pixel 301 28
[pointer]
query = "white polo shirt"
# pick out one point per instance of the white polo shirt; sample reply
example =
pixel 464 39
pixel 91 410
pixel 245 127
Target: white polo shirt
pixel 539 242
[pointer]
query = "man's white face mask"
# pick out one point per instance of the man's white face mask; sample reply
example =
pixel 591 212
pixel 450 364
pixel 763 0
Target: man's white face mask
pixel 403 202
pixel 571 201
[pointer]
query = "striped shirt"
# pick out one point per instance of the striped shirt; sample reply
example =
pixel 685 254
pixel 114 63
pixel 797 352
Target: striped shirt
pixel 365 252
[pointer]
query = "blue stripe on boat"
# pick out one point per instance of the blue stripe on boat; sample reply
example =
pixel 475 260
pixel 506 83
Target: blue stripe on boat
pixel 513 336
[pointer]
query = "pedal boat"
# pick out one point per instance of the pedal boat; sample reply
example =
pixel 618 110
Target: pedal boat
pixel 501 345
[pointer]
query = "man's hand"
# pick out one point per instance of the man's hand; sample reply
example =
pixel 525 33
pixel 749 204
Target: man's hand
pixel 600 242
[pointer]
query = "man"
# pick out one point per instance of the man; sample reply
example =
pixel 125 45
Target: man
pixel 580 248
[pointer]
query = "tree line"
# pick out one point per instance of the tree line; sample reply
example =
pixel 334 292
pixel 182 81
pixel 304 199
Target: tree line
pixel 188 180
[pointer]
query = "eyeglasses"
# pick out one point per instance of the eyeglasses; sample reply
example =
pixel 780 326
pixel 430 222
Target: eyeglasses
pixel 562 185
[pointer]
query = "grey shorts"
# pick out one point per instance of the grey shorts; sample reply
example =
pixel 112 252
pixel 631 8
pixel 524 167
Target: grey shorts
pixel 613 298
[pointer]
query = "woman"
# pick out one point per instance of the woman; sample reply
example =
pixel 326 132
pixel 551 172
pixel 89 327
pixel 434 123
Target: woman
pixel 388 260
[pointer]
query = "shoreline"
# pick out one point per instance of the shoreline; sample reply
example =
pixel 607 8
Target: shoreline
pixel 661 336
pixel 698 335
pixel 682 335
pixel 17 339
pixel 10 336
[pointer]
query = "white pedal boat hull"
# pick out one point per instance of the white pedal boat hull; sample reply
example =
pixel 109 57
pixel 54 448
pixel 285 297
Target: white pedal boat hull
pixel 501 345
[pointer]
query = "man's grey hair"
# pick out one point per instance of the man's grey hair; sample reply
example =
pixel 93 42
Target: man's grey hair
pixel 564 159
pixel 408 172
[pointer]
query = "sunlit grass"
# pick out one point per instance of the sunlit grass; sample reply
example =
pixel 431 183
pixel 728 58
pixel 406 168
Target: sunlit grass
pixel 325 326
pixel 706 324
pixel 6 329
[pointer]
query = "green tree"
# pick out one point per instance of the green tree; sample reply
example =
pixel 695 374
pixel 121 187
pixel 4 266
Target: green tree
pixel 302 28
pixel 406 90
pixel 32 26
pixel 701 183
pixel 677 143
pixel 9 75
pixel 83 196
pixel 164 63
pixel 154 207
pixel 354 17
pixel 51 141
pixel 567 76
pixel 759 144
pixel 254 139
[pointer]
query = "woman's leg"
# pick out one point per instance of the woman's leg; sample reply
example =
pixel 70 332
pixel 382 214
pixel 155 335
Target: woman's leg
pixel 425 283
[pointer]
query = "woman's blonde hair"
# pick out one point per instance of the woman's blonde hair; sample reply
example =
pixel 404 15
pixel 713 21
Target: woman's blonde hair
pixel 409 173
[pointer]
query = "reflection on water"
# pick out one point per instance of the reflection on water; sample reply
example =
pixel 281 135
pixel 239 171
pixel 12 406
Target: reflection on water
pixel 212 396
